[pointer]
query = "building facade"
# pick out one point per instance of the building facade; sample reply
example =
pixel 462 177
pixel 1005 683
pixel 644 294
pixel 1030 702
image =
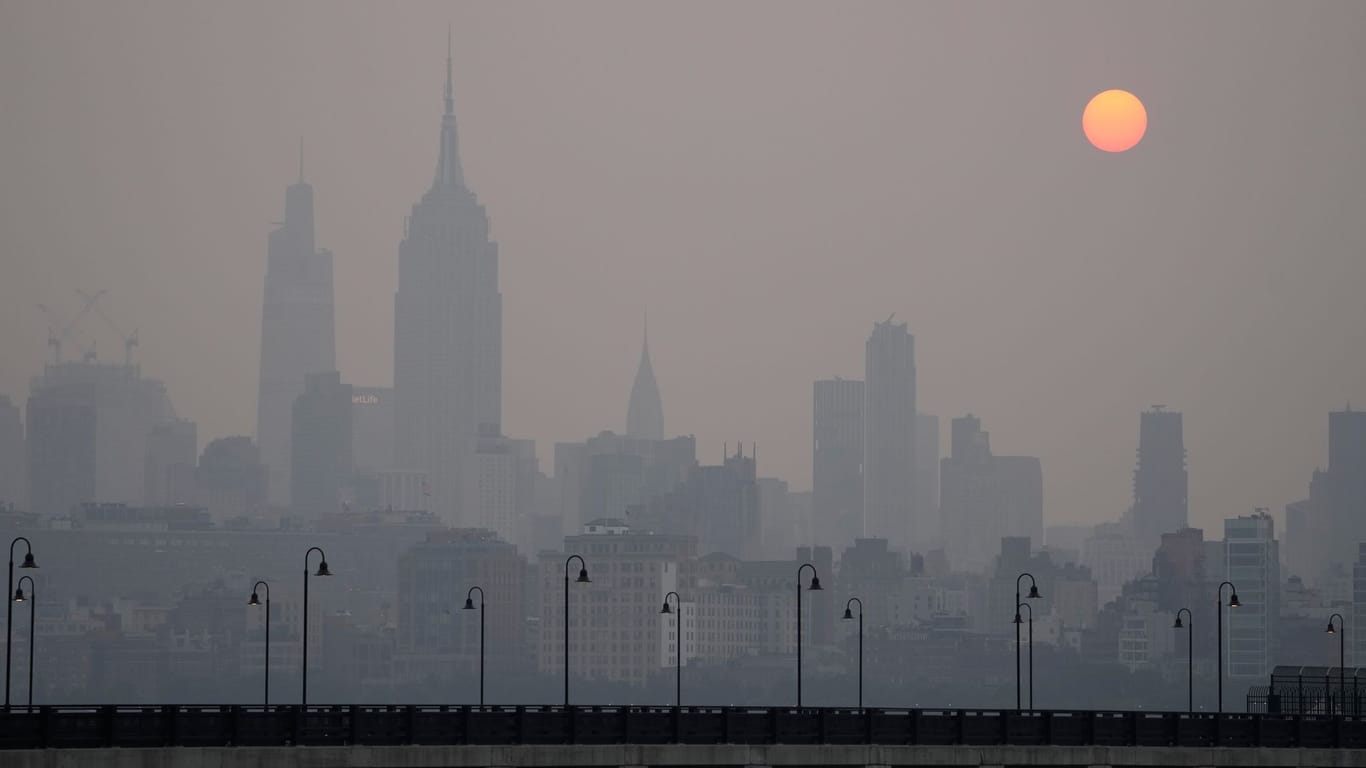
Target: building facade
pixel 837 461
pixel 889 440
pixel 298 330
pixel 448 330
pixel 1252 564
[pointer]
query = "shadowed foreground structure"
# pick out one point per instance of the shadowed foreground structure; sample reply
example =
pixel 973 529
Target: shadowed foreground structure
pixel 230 736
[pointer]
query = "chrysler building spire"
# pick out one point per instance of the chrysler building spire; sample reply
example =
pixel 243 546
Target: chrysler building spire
pixel 645 414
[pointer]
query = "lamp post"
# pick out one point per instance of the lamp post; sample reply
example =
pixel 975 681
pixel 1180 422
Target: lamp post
pixel 1190 656
pixel 9 606
pixel 815 585
pixel 582 579
pixel 678 646
pixel 322 571
pixel 469 606
pixel 1341 632
pixel 256 601
pixel 848 614
pixel 1219 634
pixel 32 617
pixel 1033 595
pixel 1029 608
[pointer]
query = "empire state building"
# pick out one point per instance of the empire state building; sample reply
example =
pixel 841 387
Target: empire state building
pixel 448 331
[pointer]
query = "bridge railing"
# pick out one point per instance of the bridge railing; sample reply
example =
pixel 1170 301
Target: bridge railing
pixel 198 726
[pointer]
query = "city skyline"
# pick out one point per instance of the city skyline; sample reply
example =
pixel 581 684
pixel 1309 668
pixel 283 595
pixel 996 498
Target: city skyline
pixel 1251 441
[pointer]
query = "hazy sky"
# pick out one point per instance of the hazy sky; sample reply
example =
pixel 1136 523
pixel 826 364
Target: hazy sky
pixel 767 179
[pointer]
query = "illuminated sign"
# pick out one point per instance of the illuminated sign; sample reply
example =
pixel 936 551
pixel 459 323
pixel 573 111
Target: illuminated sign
pixel 365 399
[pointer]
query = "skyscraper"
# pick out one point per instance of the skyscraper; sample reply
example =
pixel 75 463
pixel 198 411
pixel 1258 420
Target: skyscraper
pixel 448 330
pixel 925 479
pixel 985 498
pixel 1253 565
pixel 837 462
pixel 88 425
pixel 1322 531
pixel 321 444
pixel 1160 477
pixel 889 439
pixel 297 329
pixel 645 414
pixel 11 455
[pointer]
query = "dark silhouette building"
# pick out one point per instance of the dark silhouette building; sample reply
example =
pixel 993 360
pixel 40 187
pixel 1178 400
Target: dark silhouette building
pixel 1160 477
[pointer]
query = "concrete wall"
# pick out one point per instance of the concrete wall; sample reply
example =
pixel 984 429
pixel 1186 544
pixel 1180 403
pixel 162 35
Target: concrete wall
pixel 720 756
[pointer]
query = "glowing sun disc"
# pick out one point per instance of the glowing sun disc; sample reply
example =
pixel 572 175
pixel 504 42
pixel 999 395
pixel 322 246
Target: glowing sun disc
pixel 1114 120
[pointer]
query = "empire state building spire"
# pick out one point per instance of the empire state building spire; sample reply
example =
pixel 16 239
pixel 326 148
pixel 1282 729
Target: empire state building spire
pixel 448 171
pixel 645 414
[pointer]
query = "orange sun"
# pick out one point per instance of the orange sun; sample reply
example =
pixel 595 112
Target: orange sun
pixel 1114 120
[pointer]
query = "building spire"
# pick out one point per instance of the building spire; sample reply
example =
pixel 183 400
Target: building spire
pixel 645 412
pixel 448 171
pixel 450 97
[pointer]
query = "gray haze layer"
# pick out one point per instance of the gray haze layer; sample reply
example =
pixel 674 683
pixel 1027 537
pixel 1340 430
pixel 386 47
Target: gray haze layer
pixel 767 179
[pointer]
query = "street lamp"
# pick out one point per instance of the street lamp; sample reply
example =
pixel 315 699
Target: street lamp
pixel 469 606
pixel 1219 610
pixel 32 618
pixel 1342 656
pixel 1190 656
pixel 678 646
pixel 1029 608
pixel 9 606
pixel 815 585
pixel 582 579
pixel 322 571
pixel 848 614
pixel 1033 595
pixel 256 601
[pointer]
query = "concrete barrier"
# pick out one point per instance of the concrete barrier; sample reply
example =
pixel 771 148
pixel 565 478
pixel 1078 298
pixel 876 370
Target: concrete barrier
pixel 670 756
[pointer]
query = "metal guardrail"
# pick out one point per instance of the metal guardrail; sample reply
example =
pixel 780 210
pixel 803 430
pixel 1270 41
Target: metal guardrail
pixel 277 726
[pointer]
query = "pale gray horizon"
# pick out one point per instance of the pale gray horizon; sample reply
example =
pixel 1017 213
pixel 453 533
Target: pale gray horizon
pixel 766 179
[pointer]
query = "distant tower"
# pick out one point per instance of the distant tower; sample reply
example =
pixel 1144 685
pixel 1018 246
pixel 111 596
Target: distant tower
pixel 448 331
pixel 1160 478
pixel 889 440
pixel 297 329
pixel 837 462
pixel 645 414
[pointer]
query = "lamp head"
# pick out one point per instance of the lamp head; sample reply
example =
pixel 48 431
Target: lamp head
pixel 28 561
pixel 1331 630
pixel 1233 601
pixel 815 583
pixel 848 614
pixel 254 600
pixel 583 576
pixel 322 569
pixel 1018 620
pixel 469 604
pixel 1178 624
pixel 666 608
pixel 1033 592
pixel 19 595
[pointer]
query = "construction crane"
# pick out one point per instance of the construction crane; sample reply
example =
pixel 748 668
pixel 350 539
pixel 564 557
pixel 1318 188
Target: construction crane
pixel 55 338
pixel 129 340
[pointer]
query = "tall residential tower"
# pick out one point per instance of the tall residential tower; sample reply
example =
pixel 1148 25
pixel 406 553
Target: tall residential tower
pixel 889 440
pixel 448 331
